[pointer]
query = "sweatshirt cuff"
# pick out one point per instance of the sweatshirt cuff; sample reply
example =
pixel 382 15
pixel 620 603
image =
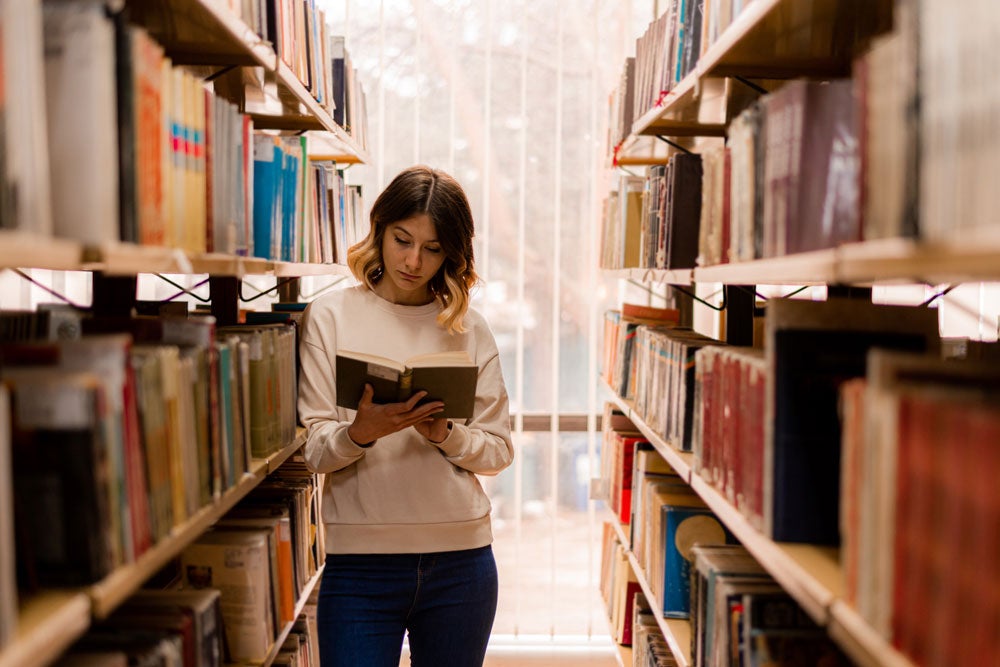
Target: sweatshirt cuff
pixel 455 443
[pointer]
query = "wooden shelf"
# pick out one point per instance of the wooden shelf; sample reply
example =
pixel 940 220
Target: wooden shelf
pixel 114 589
pixel 882 261
pixel 299 606
pixel 48 624
pixel 22 249
pixel 131 259
pixel 809 573
pixel 294 269
pixel 666 276
pixel 810 268
pixel 624 655
pixel 967 259
pixel 781 39
pixel 203 32
pixel 860 642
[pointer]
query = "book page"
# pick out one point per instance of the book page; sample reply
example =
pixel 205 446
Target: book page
pixel 450 358
pixel 373 359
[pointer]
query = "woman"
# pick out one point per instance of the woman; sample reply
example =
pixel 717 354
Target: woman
pixel 408 530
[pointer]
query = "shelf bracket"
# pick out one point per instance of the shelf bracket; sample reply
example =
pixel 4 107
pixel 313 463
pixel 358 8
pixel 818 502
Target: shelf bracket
pixel 750 84
pixel 672 143
pixel 225 291
pixel 739 301
pixel 114 296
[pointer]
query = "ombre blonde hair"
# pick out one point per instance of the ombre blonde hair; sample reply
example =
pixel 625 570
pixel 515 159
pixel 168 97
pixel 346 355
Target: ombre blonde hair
pixel 413 191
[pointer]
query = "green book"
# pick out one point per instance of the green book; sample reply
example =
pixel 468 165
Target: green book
pixel 445 376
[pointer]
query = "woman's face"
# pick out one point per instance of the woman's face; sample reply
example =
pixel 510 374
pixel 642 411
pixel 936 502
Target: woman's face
pixel 412 256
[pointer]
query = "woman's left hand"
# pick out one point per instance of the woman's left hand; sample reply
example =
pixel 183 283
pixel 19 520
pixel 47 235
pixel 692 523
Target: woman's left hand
pixel 434 429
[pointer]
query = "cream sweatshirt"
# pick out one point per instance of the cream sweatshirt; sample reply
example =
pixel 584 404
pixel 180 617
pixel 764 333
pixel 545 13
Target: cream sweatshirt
pixel 404 494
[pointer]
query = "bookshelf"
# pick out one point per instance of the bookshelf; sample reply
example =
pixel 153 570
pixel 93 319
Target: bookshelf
pixel 768 43
pixel 208 39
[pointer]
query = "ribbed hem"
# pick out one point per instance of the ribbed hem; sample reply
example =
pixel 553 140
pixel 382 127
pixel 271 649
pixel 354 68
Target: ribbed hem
pixel 401 538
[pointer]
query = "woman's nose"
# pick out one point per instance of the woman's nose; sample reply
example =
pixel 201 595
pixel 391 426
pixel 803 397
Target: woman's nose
pixel 413 258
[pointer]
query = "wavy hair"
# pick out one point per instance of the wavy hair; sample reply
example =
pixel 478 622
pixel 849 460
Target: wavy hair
pixel 421 189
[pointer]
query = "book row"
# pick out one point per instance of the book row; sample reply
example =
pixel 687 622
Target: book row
pixel 122 433
pixel 785 475
pixel 170 162
pixel 231 596
pixel 919 509
pixel 665 53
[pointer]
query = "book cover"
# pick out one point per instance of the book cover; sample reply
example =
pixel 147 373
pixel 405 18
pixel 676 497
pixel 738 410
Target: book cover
pixel 683 528
pixel 238 563
pixel 450 377
pixel 201 605
pixel 61 477
pixel 8 572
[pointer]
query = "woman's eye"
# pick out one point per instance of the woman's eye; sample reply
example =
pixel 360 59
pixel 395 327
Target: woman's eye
pixel 402 241
pixel 434 250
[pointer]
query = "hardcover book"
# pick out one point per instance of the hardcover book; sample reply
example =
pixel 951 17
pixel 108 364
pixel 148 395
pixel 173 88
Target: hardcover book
pixel 446 376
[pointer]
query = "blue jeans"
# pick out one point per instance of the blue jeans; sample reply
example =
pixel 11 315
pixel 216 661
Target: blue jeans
pixel 445 600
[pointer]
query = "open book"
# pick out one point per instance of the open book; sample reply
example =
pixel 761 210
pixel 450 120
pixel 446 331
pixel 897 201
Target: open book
pixel 445 376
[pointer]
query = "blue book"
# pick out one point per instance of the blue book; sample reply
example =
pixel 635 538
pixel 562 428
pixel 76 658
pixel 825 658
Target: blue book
pixel 683 527
pixel 266 182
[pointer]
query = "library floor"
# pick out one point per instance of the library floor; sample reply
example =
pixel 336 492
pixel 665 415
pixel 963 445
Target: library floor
pixel 511 652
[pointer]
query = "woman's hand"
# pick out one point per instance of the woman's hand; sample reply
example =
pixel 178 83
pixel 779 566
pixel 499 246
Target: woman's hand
pixel 434 429
pixel 376 420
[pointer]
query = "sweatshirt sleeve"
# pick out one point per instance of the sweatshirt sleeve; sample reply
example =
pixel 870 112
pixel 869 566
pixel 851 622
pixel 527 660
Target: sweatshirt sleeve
pixel 483 445
pixel 328 448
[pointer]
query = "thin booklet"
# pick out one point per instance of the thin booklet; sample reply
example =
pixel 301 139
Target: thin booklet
pixel 449 377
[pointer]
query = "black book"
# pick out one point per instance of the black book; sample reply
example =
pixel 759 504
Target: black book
pixel 812 348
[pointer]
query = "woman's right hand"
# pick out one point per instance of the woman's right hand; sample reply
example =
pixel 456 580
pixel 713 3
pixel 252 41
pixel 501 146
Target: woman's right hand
pixel 375 420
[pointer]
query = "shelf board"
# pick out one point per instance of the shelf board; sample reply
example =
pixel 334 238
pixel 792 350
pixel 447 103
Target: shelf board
pixel 131 258
pixel 666 276
pixel 296 269
pixel 676 631
pixel 809 268
pixel 23 249
pixel 114 589
pixel 48 624
pixel 909 260
pixel 624 655
pixel 696 107
pixel 859 640
pixel 809 573
pixel 780 39
pixel 203 32
pixel 285 631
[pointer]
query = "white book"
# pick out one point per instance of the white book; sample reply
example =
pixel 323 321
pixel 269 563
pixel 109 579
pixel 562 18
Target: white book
pixel 27 200
pixel 236 562
pixel 82 120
